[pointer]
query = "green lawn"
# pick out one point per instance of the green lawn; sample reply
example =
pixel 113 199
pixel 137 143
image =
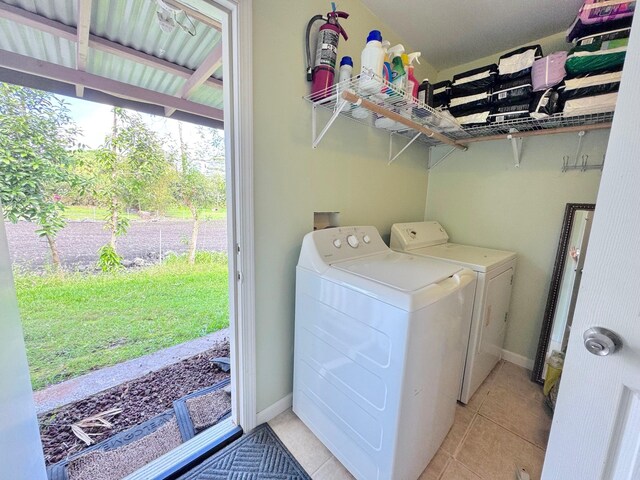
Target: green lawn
pixel 79 322
pixel 87 212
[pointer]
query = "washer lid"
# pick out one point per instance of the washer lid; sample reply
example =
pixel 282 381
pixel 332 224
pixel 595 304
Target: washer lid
pixel 479 259
pixel 400 271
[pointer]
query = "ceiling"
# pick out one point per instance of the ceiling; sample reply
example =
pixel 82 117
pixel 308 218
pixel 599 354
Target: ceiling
pixel 454 32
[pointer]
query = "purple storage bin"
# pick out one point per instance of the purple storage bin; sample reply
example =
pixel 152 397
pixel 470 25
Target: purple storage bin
pixel 548 71
pixel 614 14
pixel 591 12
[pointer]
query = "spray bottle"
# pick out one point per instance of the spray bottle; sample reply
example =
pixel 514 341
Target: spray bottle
pixel 398 74
pixel 386 68
pixel 412 82
pixel 327 53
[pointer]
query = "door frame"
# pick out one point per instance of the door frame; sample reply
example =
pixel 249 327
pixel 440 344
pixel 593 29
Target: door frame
pixel 238 107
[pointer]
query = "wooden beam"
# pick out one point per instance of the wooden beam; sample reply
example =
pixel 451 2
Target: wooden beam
pixel 210 64
pixel 22 63
pixel 535 133
pixel 33 20
pixel 61 30
pixel 83 27
pixel 201 17
pixel 375 108
pixel 113 48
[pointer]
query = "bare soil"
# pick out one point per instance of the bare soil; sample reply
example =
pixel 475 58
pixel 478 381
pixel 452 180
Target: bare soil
pixel 79 242
pixel 140 400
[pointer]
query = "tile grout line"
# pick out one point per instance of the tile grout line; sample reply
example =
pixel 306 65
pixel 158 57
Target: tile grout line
pixel 446 465
pixel 544 450
pixel 459 447
pixel 311 474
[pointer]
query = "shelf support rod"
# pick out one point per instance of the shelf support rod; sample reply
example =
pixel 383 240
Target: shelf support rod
pixel 516 145
pixel 338 108
pixel 391 160
pixel 407 122
pixel 444 157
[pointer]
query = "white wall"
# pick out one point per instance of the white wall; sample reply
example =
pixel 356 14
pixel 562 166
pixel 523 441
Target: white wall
pixel 347 173
pixel 481 198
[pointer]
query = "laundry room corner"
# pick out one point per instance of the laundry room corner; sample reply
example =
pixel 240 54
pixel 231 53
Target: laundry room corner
pixel 347 173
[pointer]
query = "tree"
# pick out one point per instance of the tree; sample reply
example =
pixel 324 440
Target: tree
pixel 37 137
pixel 128 163
pixel 194 190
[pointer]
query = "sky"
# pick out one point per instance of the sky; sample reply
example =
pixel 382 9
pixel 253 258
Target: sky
pixel 95 120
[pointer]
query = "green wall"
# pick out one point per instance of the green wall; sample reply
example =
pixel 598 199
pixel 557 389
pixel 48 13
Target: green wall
pixel 482 199
pixel 348 172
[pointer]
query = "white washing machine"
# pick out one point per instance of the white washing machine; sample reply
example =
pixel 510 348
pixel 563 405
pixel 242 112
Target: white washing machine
pixel 494 270
pixel 379 349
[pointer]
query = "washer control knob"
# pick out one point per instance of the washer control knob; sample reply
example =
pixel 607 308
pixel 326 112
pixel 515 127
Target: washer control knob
pixel 353 241
pixel 337 243
pixel 366 239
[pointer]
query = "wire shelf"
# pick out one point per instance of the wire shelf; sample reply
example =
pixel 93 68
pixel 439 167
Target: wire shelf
pixel 383 94
pixel 375 102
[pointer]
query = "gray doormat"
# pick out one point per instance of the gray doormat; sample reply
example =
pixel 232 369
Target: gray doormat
pixel 58 471
pixel 260 455
pixel 122 461
pixel 188 427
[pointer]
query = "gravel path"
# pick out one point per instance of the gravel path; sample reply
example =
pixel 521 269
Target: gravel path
pixel 79 241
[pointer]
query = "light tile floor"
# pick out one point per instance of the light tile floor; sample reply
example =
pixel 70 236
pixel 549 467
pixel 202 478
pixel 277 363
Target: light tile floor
pixel 505 426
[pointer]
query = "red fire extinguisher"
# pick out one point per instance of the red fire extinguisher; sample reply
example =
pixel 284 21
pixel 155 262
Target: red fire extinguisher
pixel 324 67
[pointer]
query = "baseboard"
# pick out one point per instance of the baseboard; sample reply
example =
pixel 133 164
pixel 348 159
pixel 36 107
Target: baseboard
pixel 517 359
pixel 274 410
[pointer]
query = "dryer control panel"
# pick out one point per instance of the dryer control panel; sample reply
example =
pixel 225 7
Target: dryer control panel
pixel 409 236
pixel 322 248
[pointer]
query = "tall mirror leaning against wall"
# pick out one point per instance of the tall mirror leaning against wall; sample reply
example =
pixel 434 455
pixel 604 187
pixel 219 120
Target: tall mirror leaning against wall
pixel 561 302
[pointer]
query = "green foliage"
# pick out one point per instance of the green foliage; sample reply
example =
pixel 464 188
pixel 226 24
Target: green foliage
pixel 108 259
pixel 37 137
pixel 80 322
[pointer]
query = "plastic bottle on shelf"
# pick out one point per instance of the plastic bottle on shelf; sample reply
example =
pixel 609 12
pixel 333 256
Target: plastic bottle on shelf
pixel 412 82
pixel 346 70
pixel 386 66
pixel 398 73
pixel 425 92
pixel 372 63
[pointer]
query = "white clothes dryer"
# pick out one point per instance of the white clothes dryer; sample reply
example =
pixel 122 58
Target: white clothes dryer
pixel 379 348
pixel 494 269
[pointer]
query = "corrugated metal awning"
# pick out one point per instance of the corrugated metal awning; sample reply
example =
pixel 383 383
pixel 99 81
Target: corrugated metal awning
pixel 117 48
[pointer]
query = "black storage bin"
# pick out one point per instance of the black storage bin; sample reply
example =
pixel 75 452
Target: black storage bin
pixel 513 91
pixel 461 105
pixel 473 81
pixel 441 94
pixel 507 112
pixel 589 85
pixel 474 117
pixel 518 63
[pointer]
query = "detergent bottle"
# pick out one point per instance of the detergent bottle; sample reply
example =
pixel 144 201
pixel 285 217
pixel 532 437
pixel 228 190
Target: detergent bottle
pixel 412 83
pixel 372 62
pixel 326 54
pixel 398 74
pixel 346 69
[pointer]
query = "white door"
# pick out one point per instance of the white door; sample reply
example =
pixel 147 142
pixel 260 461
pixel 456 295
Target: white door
pixel 596 428
pixel 20 448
